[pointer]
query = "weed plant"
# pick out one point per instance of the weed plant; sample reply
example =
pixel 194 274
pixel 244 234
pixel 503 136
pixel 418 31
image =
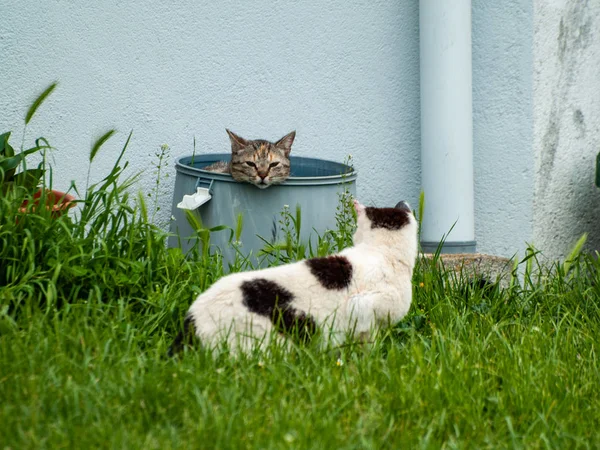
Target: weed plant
pixel 89 303
pixel 292 248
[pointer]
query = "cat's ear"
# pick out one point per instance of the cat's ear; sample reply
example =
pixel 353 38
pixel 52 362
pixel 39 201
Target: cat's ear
pixel 404 206
pixel 285 143
pixel 359 207
pixel 237 142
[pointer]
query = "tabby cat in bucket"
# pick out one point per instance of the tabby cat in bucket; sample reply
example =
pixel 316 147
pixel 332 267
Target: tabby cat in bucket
pixel 348 294
pixel 259 162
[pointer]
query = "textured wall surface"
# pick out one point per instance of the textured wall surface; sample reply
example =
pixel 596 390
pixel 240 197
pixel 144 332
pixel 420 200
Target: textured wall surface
pixel 567 124
pixel 343 73
pixel 503 124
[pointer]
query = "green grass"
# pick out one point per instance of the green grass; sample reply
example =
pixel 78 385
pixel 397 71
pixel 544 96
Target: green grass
pixel 89 304
pixel 524 373
pixel 83 365
pixel 87 316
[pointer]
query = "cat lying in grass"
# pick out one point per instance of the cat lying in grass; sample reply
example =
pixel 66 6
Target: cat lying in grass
pixel 258 162
pixel 348 294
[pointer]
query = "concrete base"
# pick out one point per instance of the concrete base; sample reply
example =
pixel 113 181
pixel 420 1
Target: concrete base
pixel 492 268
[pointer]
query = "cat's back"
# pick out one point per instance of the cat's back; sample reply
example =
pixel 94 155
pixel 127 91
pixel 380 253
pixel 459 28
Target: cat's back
pixel 291 277
pixel 310 282
pixel 218 167
pixel 372 268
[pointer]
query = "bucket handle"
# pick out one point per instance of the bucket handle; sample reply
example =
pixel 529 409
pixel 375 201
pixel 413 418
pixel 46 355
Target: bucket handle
pixel 202 195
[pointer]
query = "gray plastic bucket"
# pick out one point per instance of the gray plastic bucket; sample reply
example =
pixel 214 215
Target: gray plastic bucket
pixel 314 184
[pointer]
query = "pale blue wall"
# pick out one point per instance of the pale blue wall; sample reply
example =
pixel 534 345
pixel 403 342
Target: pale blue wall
pixel 344 74
pixel 503 124
pixel 567 124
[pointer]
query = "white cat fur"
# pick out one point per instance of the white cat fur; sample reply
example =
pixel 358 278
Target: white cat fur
pixel 380 291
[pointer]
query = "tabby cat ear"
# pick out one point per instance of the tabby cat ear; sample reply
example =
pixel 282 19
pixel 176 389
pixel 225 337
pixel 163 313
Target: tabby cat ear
pixel 285 143
pixel 237 143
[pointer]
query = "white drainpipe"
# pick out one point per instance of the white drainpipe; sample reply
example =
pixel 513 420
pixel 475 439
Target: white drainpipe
pixel 447 125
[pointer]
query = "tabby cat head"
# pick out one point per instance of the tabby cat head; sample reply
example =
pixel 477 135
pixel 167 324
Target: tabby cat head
pixel 259 162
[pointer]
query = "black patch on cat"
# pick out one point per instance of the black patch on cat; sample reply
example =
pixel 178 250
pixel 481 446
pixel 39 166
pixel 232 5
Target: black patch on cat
pixel 333 272
pixel 271 300
pixel 184 337
pixel 389 218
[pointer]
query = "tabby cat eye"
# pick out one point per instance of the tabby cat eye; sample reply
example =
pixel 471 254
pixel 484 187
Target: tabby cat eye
pixel 274 164
pixel 250 163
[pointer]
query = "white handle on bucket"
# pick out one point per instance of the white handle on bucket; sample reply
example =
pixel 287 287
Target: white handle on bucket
pixel 199 198
pixel 195 200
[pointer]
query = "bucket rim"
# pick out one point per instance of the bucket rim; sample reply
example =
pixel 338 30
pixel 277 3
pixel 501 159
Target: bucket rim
pixel 182 167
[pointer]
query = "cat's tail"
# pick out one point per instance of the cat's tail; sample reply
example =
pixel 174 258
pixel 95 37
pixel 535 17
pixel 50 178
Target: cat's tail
pixel 184 337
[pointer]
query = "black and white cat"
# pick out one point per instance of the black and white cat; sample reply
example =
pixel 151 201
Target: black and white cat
pixel 348 294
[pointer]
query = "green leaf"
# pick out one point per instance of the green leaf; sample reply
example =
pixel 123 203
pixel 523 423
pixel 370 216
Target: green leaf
pixel 219 228
pixel 575 252
pixel 421 207
pixel 194 220
pixel 298 221
pixel 29 179
pixel 239 226
pixel 598 170
pixel 99 142
pixel 14 161
pixel 142 205
pixel 5 148
pixel 77 271
pixel 223 227
pixel 38 101
pixel 8 150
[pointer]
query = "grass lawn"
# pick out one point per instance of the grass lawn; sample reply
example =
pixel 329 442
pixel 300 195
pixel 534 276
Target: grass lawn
pixel 466 369
pixel 90 303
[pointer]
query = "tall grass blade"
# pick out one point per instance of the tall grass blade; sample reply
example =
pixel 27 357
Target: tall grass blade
pixel 99 142
pixel 298 221
pixel 239 226
pixel 38 102
pixel 575 252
